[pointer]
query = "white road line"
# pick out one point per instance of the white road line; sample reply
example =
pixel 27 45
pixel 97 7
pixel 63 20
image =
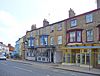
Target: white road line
pixel 22 69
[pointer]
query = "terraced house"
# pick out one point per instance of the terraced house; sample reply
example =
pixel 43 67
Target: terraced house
pixel 73 41
pixel 83 39
pixel 44 42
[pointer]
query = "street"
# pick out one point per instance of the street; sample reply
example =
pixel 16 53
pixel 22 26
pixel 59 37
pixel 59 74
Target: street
pixel 9 68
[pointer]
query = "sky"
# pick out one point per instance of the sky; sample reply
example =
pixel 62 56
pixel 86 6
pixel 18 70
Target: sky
pixel 17 16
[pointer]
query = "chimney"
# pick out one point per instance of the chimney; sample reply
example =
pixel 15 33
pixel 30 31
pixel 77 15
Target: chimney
pixel 33 27
pixel 45 22
pixel 98 4
pixel 71 13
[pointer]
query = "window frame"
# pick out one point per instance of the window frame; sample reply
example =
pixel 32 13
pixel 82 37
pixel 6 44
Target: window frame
pixel 87 18
pixel 59 41
pixel 52 40
pixel 75 23
pixel 52 28
pixel 75 41
pixel 59 27
pixel 89 37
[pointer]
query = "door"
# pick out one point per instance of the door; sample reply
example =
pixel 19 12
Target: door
pixel 77 59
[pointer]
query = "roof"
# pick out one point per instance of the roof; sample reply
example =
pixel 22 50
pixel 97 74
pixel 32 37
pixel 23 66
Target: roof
pixel 68 19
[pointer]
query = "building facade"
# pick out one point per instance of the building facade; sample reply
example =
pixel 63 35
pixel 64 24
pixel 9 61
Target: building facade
pixel 83 46
pixel 73 41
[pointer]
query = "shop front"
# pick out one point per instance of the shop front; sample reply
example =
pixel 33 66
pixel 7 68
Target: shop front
pixel 83 56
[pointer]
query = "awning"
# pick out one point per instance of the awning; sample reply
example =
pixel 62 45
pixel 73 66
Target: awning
pixel 81 47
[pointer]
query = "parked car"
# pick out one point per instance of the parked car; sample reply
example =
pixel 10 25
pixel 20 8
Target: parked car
pixel 2 57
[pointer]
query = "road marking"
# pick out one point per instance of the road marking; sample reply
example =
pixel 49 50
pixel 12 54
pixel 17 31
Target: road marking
pixel 22 69
pixel 48 75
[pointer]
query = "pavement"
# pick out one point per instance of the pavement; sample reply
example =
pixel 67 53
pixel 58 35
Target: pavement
pixel 85 70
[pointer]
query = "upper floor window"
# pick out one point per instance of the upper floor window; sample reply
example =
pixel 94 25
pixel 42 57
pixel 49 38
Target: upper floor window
pixel 59 39
pixel 37 42
pixel 32 43
pixel 78 36
pixel 73 23
pixel 37 32
pixel 29 44
pixel 89 35
pixel 44 40
pixel 51 28
pixel 59 27
pixel 52 40
pixel 72 36
pixel 89 18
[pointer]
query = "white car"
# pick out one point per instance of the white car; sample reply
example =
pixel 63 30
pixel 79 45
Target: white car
pixel 2 58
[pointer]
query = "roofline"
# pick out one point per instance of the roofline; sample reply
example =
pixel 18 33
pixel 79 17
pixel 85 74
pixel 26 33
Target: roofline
pixel 66 19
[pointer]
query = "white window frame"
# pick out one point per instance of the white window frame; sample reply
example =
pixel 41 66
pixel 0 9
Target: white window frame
pixel 89 35
pixel 89 18
pixel 73 22
pixel 59 39
pixel 52 41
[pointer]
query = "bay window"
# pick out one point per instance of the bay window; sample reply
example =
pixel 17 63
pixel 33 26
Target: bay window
pixel 74 36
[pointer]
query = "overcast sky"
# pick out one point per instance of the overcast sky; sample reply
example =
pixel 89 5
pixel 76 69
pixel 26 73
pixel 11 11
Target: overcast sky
pixel 17 16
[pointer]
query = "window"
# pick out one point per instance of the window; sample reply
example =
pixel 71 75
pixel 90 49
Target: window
pixel 37 42
pixel 59 39
pixel 89 18
pixel 29 42
pixel 41 40
pixel 78 36
pixel 73 23
pixel 59 27
pixel 52 40
pixel 89 35
pixel 32 42
pixel 37 32
pixel 99 57
pixel 51 28
pixel 72 36
pixel 44 40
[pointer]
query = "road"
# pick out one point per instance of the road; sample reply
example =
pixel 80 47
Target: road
pixel 9 68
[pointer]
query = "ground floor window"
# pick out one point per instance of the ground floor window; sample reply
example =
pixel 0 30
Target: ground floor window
pixel 78 58
pixel 99 57
pixel 68 58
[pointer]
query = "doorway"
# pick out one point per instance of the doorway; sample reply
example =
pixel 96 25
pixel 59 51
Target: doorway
pixel 78 58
